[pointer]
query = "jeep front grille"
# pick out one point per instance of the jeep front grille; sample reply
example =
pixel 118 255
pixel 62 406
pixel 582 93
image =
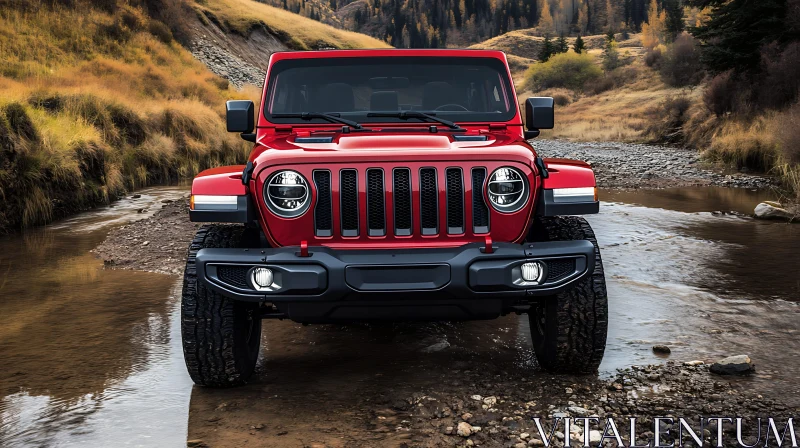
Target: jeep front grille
pixel 390 199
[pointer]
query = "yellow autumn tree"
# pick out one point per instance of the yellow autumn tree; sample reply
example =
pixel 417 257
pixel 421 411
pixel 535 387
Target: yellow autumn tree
pixel 653 30
pixel 546 25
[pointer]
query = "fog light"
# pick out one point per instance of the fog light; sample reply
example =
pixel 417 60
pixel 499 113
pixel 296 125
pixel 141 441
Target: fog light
pixel 262 277
pixel 532 272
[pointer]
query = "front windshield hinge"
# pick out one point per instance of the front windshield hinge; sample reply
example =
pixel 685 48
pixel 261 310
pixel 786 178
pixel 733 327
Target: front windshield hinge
pixel 345 129
pixel 433 129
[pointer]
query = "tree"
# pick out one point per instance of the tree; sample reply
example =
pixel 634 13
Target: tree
pixel 674 23
pixel 611 58
pixel 583 18
pixel 546 19
pixel 653 30
pixel 579 46
pixel 547 49
pixel 561 45
pixel 736 31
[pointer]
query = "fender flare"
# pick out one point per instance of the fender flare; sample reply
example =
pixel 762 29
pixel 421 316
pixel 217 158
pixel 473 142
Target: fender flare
pixel 218 195
pixel 570 188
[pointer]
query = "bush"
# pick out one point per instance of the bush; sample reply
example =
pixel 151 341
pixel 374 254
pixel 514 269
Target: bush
pixel 653 56
pixel 681 64
pixel 723 95
pixel 674 114
pixel 781 71
pixel 567 70
pixel 614 79
pixel 160 31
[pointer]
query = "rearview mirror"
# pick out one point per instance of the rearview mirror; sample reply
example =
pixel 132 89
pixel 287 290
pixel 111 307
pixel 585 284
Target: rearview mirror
pixel 240 117
pixel 539 113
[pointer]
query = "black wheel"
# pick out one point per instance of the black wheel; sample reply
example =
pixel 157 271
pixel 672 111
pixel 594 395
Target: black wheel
pixel 569 329
pixel 221 337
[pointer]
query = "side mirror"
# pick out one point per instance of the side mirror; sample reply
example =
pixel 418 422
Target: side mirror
pixel 240 117
pixel 539 114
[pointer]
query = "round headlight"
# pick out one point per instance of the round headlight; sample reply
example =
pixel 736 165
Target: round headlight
pixel 507 189
pixel 286 194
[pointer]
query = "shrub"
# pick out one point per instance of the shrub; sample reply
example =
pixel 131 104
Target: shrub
pixel 681 64
pixel 781 71
pixel 653 56
pixel 674 114
pixel 614 79
pixel 723 95
pixel 567 70
pixel 160 31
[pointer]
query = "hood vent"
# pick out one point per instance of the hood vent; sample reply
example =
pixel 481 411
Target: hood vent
pixel 314 139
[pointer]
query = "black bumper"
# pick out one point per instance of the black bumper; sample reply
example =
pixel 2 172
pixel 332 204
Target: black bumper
pixel 417 284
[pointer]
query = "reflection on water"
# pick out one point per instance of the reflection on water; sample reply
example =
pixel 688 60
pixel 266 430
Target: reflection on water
pixel 75 339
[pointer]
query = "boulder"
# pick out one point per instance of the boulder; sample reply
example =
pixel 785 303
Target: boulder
pixel 661 350
pixel 772 210
pixel 734 365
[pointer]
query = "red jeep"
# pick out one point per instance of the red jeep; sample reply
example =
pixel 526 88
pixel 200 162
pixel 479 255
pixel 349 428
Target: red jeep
pixel 391 185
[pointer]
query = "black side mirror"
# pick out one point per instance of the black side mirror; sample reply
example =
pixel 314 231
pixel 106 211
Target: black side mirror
pixel 240 117
pixel 539 114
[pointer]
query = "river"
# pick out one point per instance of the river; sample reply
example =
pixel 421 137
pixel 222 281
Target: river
pixel 92 357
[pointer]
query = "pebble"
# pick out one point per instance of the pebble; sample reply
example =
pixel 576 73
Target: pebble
pixel 629 165
pixel 464 429
pixel 734 365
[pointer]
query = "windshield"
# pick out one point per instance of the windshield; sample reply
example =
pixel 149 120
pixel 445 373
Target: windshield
pixel 377 89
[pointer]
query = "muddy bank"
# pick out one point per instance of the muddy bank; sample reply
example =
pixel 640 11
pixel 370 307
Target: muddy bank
pixel 155 244
pixel 628 165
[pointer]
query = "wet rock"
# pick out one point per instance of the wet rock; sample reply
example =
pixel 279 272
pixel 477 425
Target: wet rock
pixel 437 347
pixel 772 210
pixel 577 410
pixel 734 365
pixel 464 429
pixel 195 443
pixel 661 350
pixel 136 196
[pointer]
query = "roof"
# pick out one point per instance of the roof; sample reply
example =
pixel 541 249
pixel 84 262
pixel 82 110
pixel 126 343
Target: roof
pixel 393 52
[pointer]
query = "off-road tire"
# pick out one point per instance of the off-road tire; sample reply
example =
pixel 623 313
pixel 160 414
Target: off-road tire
pixel 571 338
pixel 221 337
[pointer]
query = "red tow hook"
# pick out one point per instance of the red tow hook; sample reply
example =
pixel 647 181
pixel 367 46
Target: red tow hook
pixel 488 249
pixel 304 248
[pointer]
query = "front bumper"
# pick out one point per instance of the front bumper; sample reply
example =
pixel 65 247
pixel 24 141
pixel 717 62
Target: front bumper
pixel 432 284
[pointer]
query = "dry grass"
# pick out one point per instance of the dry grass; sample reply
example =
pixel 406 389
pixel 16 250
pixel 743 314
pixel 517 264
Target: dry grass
pixel 622 113
pixel 92 104
pixel 300 33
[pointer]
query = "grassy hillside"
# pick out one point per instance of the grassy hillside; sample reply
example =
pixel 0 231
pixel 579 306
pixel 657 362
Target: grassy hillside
pixel 299 33
pixel 98 98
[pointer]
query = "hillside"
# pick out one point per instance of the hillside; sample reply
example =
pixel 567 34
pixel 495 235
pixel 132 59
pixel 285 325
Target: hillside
pixel 460 23
pixel 98 98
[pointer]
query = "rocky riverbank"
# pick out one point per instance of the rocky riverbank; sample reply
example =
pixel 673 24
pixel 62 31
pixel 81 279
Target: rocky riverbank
pixel 628 165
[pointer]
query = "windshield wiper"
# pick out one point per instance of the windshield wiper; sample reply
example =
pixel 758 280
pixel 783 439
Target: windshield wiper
pixel 406 114
pixel 330 117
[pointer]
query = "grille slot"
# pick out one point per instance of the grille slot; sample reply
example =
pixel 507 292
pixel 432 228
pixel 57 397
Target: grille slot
pixel 402 201
pixel 348 192
pixel 323 212
pixel 429 204
pixel 376 211
pixel 558 269
pixel 234 275
pixel 480 212
pixel 455 201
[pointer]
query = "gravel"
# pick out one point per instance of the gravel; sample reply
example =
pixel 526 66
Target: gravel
pixel 629 165
pixel 226 64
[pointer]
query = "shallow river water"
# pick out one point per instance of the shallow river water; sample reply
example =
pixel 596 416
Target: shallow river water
pixel 92 357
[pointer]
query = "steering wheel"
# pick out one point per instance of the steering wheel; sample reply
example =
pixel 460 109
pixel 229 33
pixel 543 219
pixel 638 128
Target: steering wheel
pixel 451 107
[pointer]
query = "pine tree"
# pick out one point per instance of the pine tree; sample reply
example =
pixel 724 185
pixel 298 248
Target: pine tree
pixel 674 23
pixel 579 45
pixel 561 45
pixel 611 53
pixel 547 49
pixel 737 30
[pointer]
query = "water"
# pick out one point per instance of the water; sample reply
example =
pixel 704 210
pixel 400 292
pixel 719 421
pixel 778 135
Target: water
pixel 86 351
pixel 91 357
